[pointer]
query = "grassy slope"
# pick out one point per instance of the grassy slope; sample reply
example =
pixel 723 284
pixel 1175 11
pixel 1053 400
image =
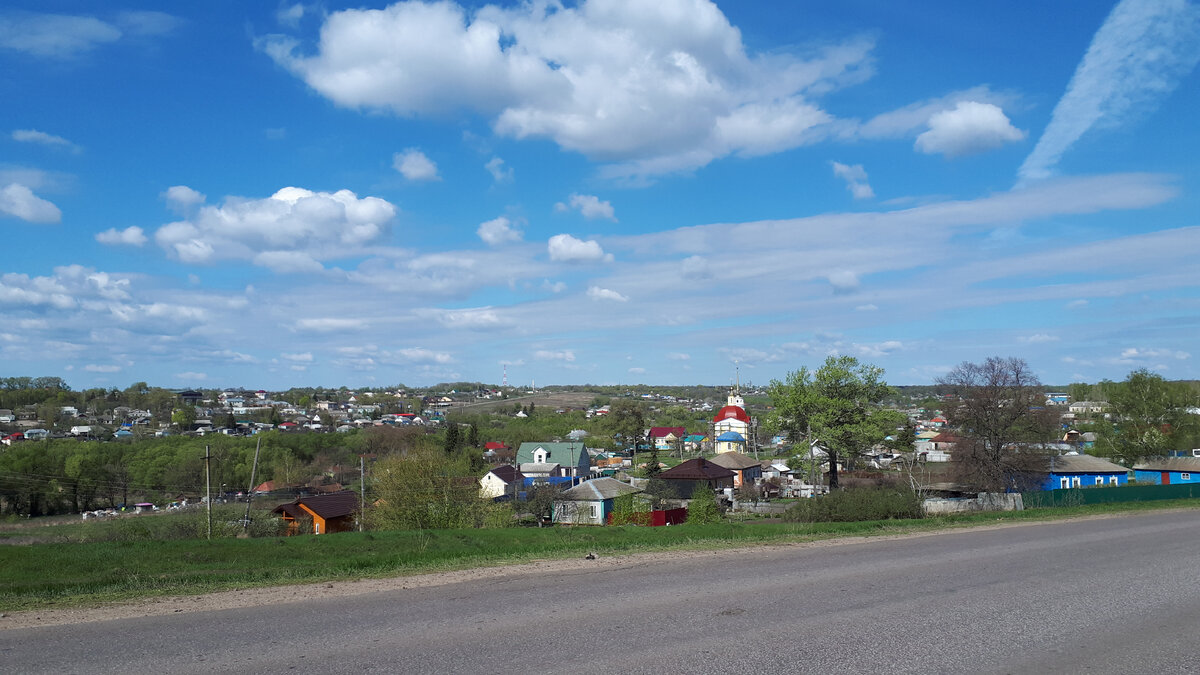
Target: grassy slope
pixel 81 574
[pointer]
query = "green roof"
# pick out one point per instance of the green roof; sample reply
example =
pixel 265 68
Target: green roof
pixel 563 454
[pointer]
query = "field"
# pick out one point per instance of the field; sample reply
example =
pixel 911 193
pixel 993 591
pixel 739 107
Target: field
pixel 96 572
pixel 578 400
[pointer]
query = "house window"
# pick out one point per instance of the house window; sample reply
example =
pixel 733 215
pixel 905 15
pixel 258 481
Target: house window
pixel 1185 476
pixel 1099 480
pixel 1075 482
pixel 1112 480
pixel 562 511
pixel 595 512
pixel 1064 482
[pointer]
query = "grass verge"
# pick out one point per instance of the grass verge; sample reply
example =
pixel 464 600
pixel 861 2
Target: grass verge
pixel 64 575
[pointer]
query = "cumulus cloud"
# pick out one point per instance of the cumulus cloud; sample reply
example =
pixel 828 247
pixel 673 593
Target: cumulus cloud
pixel 637 370
pixel 182 198
pixel 43 138
pixel 498 231
pixel 94 368
pixel 290 15
pixel 565 248
pixel 588 205
pixel 564 355
pixel 912 119
pixel 1141 53
pixel 422 355
pixel 660 87
pixel 19 201
pixel 500 173
pixel 879 349
pixel 843 281
pixel 414 165
pixel 597 293
pixel 292 230
pixel 856 180
pixel 1135 353
pixel 130 236
pixel 471 318
pixel 303 357
pixel 971 127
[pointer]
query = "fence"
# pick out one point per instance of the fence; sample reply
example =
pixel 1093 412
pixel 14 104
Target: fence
pixel 1105 495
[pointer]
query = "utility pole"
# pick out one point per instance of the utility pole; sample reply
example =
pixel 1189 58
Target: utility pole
pixel 208 488
pixel 250 492
pixel 362 490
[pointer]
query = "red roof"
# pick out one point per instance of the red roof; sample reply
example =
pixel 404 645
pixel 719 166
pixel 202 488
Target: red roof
pixel 663 432
pixel 495 445
pixel 731 412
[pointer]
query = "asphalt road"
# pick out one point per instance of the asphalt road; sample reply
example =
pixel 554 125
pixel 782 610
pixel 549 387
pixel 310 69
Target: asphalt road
pixel 1114 595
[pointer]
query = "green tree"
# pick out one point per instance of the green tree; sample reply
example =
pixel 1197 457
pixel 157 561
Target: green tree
pixel 626 422
pixel 452 439
pixel 1149 417
pixel 473 436
pixel 184 418
pixel 837 407
pixel 428 490
pixel 702 508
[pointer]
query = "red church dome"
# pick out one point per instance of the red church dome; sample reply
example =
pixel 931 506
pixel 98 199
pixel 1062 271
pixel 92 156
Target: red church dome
pixel 731 412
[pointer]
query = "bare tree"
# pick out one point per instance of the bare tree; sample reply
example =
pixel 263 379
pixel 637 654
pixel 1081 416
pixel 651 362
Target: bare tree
pixel 998 407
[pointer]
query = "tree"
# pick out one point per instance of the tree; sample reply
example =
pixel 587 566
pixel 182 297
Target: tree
pixel 184 418
pixel 998 407
pixel 626 422
pixel 702 508
pixel 1149 418
pixel 427 490
pixel 452 438
pixel 473 436
pixel 836 407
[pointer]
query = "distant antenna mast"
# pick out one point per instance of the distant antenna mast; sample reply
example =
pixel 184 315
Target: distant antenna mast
pixel 505 384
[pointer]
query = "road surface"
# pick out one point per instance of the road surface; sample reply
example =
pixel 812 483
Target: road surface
pixel 1111 595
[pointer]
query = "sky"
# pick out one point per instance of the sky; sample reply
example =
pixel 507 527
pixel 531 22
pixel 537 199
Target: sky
pixel 229 194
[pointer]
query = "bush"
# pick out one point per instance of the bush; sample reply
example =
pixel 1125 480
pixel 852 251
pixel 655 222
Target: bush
pixel 703 508
pixel 847 506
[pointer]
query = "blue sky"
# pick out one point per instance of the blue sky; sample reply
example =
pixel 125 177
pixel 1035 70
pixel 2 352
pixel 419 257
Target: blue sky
pixel 609 191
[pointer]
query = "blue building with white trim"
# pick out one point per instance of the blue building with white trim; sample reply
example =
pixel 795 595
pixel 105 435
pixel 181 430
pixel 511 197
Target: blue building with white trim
pixel 1168 471
pixel 1073 471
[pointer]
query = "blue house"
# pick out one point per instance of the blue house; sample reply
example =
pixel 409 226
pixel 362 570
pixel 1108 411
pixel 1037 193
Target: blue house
pixel 1072 471
pixel 1168 471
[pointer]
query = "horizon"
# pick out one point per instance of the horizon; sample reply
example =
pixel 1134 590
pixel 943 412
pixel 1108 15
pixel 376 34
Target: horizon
pixel 601 191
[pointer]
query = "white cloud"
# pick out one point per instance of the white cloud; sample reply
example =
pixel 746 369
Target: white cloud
pixel 695 267
pixel 843 281
pixel 878 349
pixel 662 86
pixel 498 231
pixel 19 201
pixel 94 368
pixel 54 35
pixel 971 127
pixel 912 119
pixel 290 15
pixel 866 308
pixel 554 286
pixel 472 318
pixel 190 376
pixel 43 138
pixel 1077 304
pixel 330 325
pixel 500 173
pixel 414 165
pixel 565 248
pixel 1133 353
pixel 146 23
pixel 588 205
pixel 422 355
pixel 856 180
pixel 1141 53
pixel 1038 338
pixel 597 293
pixel 678 356
pixel 637 370
pixel 182 198
pixel 565 355
pixel 291 230
pixel 130 236
pixel 303 357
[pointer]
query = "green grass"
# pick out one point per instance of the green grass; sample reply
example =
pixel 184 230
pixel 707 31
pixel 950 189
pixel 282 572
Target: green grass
pixel 94 573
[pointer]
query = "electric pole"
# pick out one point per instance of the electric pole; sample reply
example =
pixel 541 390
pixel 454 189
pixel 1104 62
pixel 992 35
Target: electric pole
pixel 208 488
pixel 250 492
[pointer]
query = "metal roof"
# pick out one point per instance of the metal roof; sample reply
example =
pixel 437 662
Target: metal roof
pixel 598 489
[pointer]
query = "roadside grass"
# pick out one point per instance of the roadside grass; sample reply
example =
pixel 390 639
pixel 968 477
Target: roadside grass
pixel 59 575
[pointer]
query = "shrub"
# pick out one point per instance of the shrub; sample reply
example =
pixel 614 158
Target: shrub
pixel 703 508
pixel 857 505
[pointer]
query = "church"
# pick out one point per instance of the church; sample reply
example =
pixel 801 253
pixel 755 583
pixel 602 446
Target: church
pixel 732 426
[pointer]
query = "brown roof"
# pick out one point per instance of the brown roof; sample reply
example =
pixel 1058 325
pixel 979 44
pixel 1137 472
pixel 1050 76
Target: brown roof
pixel 734 460
pixel 327 506
pixel 696 469
pixel 507 473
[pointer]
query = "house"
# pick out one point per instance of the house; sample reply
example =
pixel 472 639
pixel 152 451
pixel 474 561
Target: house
pixel 665 438
pixel 1088 407
pixel 1168 471
pixel 541 470
pixel 684 478
pixel 500 481
pixel 730 441
pixel 745 469
pixel 36 434
pixel 7 416
pixel 590 502
pixel 572 458
pixel 1072 471
pixel 329 513
pixel 81 430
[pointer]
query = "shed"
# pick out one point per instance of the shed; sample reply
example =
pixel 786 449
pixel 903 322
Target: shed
pixel 329 513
